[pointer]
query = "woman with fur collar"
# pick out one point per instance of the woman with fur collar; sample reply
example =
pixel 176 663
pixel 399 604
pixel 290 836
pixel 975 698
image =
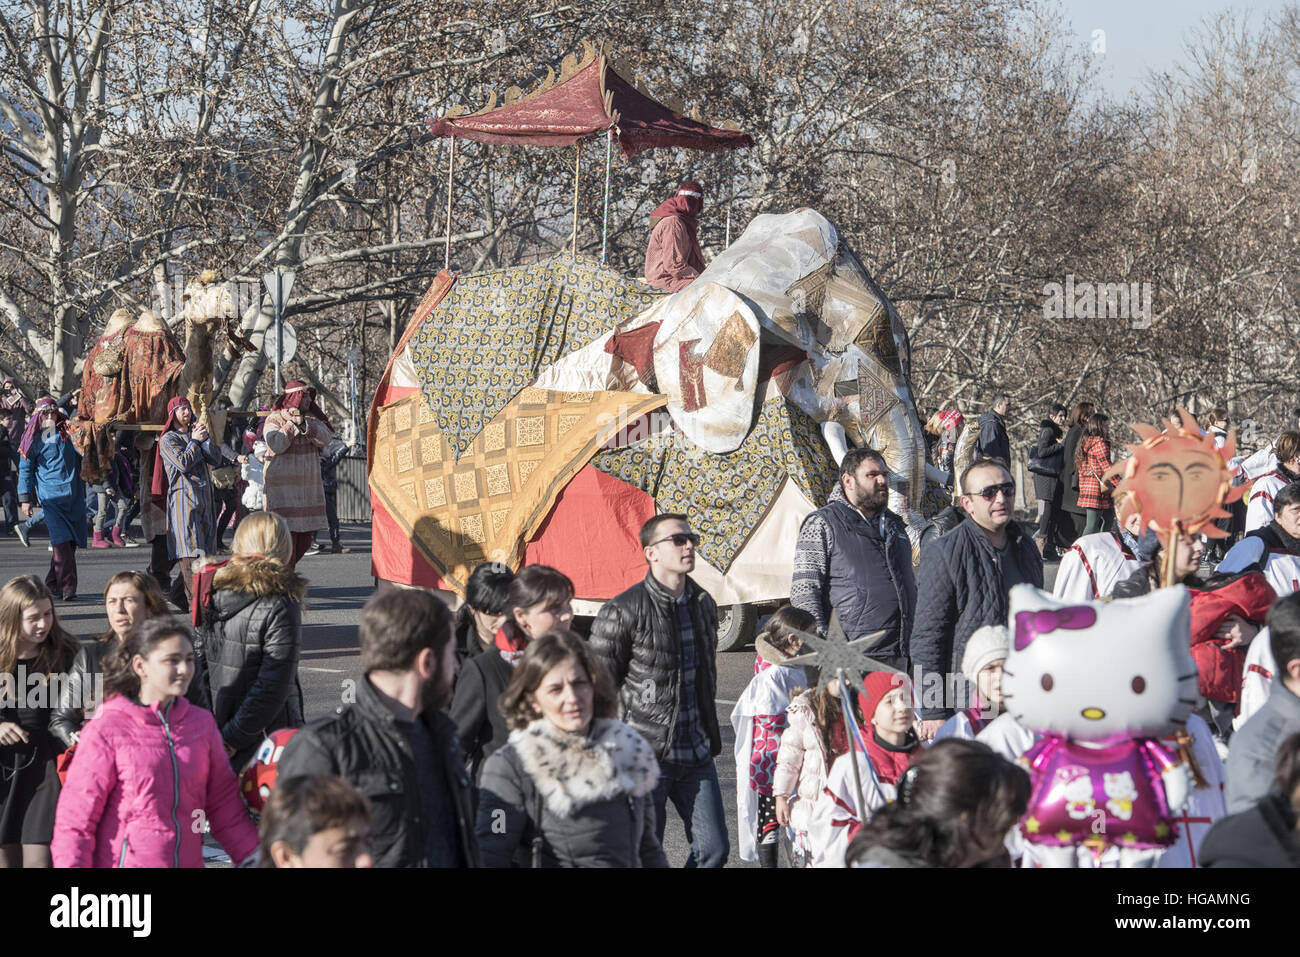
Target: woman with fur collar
pixel 252 635
pixel 573 786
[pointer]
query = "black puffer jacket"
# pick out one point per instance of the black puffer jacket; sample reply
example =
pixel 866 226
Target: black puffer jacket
pixel 252 633
pixel 465 633
pixel 635 637
pixel 78 692
pixel 993 442
pixel 960 584
pixel 362 744
pixel 566 801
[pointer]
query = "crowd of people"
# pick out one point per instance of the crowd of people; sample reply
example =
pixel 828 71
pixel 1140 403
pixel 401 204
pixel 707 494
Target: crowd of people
pixel 285 459
pixel 499 736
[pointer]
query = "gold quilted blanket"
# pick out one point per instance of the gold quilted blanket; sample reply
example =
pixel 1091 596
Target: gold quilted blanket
pixel 488 503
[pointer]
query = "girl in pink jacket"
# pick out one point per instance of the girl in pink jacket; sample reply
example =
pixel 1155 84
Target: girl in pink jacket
pixel 150 768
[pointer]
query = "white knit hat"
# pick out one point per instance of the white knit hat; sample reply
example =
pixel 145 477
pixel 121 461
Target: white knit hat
pixel 984 646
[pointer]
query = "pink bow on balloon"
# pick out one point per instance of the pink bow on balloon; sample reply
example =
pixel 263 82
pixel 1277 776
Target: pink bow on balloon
pixel 1031 624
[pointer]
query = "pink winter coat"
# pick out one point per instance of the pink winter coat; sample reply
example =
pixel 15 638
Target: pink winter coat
pixel 801 761
pixel 140 786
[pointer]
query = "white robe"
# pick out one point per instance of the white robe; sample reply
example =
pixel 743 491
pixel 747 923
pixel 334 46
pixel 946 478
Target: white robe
pixel 1257 464
pixel 768 692
pixel 958 726
pixel 1259 508
pixel 1007 736
pixel 1257 681
pixel 1092 568
pixel 1204 805
pixel 836 810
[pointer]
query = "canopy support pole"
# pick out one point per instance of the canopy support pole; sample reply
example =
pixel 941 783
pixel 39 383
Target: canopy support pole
pixel 577 172
pixel 604 226
pixel 728 241
pixel 451 168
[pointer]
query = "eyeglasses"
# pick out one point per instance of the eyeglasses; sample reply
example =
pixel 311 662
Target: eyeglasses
pixel 989 494
pixel 679 539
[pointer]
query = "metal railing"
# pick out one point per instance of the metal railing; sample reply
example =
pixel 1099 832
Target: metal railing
pixel 354 492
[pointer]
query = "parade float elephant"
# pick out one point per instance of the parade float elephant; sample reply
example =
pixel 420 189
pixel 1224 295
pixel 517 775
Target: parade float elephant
pixel 812 292
pixel 542 413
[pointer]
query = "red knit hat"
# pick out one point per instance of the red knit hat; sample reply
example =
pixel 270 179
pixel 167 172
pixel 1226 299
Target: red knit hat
pixel 875 686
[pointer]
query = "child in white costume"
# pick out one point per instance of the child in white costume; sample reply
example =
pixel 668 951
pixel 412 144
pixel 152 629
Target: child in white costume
pixel 813 739
pixel 890 743
pixel 1095 564
pixel 759 720
pixel 251 472
pixel 981 663
pixel 1257 681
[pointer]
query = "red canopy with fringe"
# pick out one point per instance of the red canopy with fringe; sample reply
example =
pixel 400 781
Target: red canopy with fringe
pixel 586 104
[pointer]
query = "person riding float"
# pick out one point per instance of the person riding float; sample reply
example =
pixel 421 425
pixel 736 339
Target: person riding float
pixel 673 258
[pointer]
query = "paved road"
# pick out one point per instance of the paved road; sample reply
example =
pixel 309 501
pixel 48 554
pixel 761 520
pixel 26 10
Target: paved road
pixel 338 586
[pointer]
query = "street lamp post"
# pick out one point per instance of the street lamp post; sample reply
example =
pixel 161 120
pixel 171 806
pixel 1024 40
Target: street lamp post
pixel 278 284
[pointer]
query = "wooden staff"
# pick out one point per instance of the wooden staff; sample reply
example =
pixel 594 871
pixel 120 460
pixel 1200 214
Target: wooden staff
pixel 845 691
pixel 153 427
pixel 1169 572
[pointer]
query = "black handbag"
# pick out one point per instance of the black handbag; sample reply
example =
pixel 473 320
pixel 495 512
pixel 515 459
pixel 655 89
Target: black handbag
pixel 1037 465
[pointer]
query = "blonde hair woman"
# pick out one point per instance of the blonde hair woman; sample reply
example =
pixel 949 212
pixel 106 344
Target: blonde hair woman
pixel 253 625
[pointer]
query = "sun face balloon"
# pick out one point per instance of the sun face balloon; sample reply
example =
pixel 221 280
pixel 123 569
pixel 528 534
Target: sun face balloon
pixel 1178 478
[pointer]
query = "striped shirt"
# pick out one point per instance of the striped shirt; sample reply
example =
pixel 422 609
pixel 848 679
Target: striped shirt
pixel 191 518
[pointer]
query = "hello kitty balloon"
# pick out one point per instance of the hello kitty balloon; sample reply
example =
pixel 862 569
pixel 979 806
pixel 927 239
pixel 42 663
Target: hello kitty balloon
pixel 1101 682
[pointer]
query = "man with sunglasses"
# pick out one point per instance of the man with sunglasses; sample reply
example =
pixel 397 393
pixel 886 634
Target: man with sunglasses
pixel 659 641
pixel 854 557
pixel 964 580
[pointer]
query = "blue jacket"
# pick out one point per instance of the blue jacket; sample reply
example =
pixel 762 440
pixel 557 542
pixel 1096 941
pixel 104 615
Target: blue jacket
pixel 52 475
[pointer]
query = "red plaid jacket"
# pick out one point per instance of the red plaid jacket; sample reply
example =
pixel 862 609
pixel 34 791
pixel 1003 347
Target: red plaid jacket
pixel 1096 460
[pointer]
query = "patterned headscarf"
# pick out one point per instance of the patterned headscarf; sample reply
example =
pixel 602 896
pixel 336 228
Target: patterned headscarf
pixel 34 424
pixel 299 395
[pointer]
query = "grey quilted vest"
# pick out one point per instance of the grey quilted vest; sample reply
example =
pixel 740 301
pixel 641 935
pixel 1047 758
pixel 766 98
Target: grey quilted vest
pixel 870 575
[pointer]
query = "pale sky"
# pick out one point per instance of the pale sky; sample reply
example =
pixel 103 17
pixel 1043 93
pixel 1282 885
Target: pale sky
pixel 1148 34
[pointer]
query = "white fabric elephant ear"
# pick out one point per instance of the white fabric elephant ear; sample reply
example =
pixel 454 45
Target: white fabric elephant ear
pixel 706 363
